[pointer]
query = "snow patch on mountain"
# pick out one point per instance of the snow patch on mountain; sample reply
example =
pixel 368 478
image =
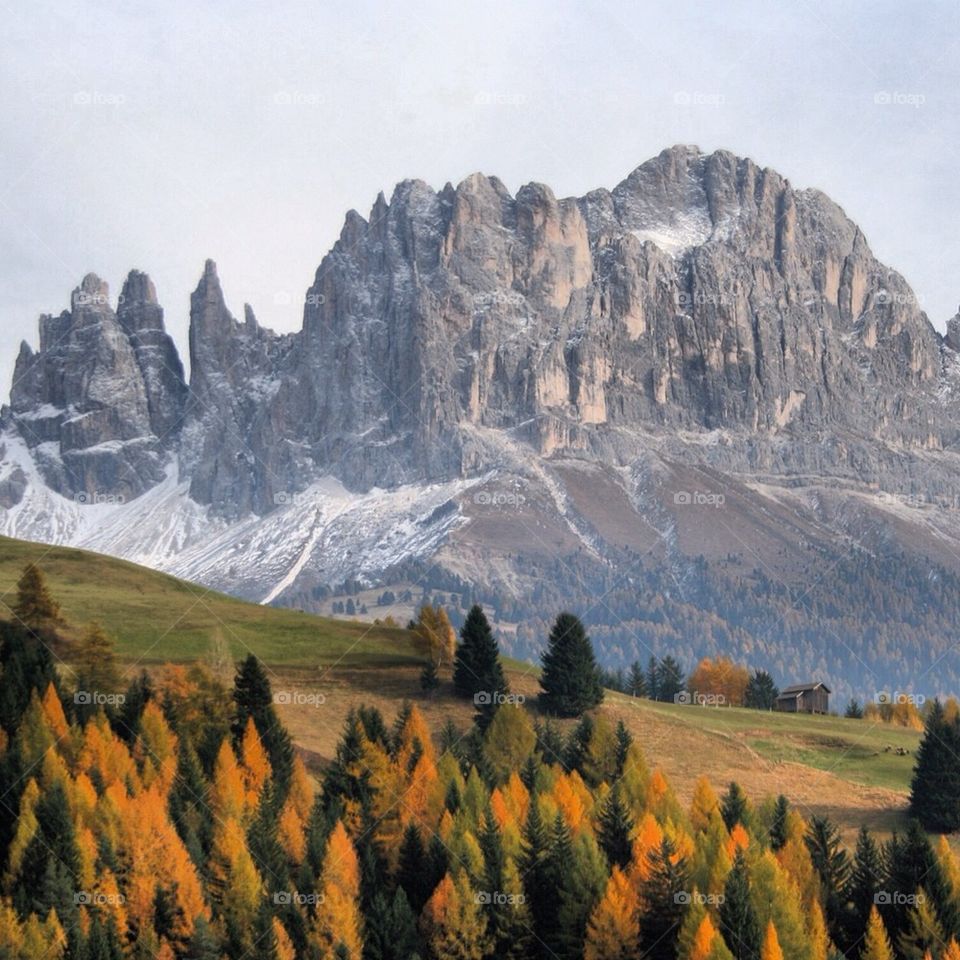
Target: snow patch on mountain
pixel 326 533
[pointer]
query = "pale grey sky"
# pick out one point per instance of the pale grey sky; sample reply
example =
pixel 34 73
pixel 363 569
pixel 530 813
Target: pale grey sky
pixel 154 135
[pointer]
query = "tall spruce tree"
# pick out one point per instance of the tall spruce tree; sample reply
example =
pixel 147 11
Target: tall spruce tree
pixel 476 665
pixel 636 680
pixel 665 894
pixel 935 788
pixel 733 807
pixel 761 692
pixel 833 867
pixel 738 920
pixel 778 829
pixel 865 882
pixel 670 680
pixel 570 681
pixel 614 829
pixel 252 697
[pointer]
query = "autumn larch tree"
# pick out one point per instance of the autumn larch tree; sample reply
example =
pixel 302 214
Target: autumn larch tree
pixel 570 681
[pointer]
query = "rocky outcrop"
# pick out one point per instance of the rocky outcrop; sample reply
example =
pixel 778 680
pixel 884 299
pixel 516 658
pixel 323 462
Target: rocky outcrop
pixel 91 400
pixel 701 297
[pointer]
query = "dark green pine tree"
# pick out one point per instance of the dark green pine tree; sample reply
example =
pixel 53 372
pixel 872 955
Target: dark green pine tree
pixel 670 679
pixel 346 778
pixel 51 863
pixel 265 848
pixel 430 678
pixel 653 676
pixel 203 944
pixel 833 867
pixel 27 666
pixel 624 742
pixel 912 864
pixel 614 827
pixel 189 805
pixel 865 882
pixel 491 846
pixel 390 929
pixel 252 697
pixel 564 934
pixel 778 829
pixel 636 680
pixel 733 806
pixel 103 942
pixel 665 894
pixel 534 867
pixel 576 749
pixel 476 666
pixel 738 920
pixel 935 788
pixel 550 743
pixel 139 693
pixel 570 681
pixel 761 692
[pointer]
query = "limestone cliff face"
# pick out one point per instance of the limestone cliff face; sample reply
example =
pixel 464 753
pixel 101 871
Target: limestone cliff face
pixel 701 297
pixel 100 402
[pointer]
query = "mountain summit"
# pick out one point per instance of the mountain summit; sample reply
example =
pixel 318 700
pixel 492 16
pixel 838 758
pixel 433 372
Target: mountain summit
pixel 487 384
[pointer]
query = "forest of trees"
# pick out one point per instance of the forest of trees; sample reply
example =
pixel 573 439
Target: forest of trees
pixel 893 611
pixel 177 821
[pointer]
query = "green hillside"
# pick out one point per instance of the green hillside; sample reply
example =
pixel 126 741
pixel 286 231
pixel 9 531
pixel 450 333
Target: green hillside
pixel 152 616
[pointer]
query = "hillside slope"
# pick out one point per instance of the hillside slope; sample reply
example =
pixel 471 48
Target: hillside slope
pixel 847 768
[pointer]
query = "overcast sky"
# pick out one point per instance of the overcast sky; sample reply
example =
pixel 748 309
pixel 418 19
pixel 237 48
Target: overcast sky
pixel 156 135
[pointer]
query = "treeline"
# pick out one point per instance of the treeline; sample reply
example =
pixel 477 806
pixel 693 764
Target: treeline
pixel 892 611
pixel 718 682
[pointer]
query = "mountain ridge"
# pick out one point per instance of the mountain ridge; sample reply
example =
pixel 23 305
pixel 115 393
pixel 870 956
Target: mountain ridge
pixel 486 384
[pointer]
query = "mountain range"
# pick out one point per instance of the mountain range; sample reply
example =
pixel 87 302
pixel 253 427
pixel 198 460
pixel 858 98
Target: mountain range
pixel 694 408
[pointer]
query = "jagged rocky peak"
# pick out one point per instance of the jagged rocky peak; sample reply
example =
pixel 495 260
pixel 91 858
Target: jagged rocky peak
pixel 701 294
pixel 94 401
pixel 141 317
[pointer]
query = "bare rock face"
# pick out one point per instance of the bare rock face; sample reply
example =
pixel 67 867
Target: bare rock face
pixel 702 297
pixel 156 354
pixel 236 369
pixel 83 401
